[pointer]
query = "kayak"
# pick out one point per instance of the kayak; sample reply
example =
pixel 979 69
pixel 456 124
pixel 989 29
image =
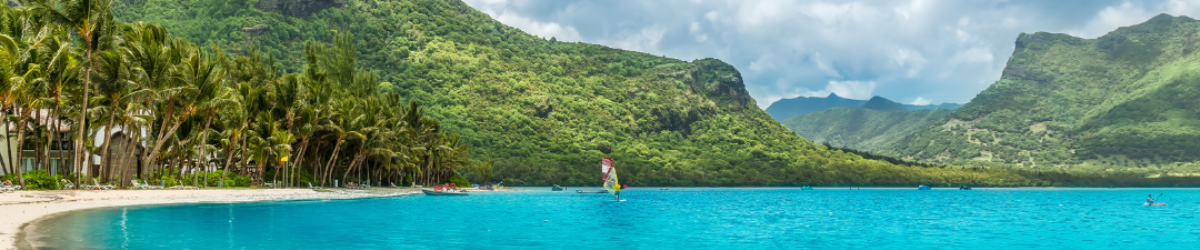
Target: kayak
pixel 1155 204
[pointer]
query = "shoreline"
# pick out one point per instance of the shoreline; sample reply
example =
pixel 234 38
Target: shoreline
pixel 23 208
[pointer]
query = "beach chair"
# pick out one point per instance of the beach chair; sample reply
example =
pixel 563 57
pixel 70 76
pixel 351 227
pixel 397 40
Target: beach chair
pixel 96 184
pixel 64 184
pixel 414 184
pixel 310 185
pixel 8 188
pixel 144 185
pixel 184 187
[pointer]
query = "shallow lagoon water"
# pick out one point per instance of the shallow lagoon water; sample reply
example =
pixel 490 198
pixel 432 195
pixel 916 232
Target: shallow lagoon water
pixel 692 218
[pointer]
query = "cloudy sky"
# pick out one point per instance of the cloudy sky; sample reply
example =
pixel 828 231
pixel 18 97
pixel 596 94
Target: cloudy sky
pixel 910 51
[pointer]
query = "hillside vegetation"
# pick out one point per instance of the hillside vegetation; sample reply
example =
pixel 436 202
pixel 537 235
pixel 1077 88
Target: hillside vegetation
pixel 787 108
pixel 545 111
pixel 861 128
pixel 1125 100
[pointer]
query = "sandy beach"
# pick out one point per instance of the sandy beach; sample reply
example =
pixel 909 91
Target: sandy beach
pixel 22 207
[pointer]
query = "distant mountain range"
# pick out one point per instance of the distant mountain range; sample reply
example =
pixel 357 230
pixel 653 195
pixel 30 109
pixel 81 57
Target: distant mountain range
pixel 862 128
pixel 786 108
pixel 1128 101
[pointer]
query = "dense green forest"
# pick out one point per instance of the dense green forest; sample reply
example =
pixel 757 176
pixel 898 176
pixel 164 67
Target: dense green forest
pixel 862 128
pixel 1127 100
pixel 188 107
pixel 545 111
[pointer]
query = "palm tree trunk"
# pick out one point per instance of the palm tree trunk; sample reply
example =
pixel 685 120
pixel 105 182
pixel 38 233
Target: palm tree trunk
pixel 203 142
pixel 162 140
pixel 299 160
pixel 228 158
pixel 87 85
pixel 5 164
pixel 126 168
pixel 21 143
pixel 104 158
pixel 332 158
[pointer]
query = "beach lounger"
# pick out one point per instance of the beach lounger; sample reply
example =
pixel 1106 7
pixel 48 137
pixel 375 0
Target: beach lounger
pixel 96 184
pixel 414 184
pixel 184 187
pixel 144 185
pixel 64 184
pixel 9 189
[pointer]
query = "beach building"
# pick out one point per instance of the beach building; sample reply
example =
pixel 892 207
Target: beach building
pixel 57 150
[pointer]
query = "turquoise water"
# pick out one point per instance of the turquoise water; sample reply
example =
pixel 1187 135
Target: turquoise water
pixel 657 219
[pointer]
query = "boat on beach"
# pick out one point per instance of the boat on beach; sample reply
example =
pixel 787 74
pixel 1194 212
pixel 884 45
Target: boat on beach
pixel 431 192
pixel 443 190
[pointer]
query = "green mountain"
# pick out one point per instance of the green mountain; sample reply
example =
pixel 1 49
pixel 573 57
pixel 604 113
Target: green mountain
pixel 545 111
pixel 879 103
pixel 787 108
pixel 947 105
pixel 861 128
pixel 1125 100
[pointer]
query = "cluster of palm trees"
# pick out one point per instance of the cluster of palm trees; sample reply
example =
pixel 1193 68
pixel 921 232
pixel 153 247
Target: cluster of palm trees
pixel 182 110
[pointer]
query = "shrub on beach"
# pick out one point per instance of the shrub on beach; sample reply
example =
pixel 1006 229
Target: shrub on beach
pixel 36 180
pixel 460 181
pixel 173 179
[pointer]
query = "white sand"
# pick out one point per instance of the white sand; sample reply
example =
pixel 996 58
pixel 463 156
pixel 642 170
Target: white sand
pixel 22 207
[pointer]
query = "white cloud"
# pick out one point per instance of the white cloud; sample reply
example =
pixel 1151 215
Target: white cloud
pixel 921 101
pixel 973 55
pixel 852 89
pixel 909 49
pixel 860 90
pixel 529 25
pixel 1112 18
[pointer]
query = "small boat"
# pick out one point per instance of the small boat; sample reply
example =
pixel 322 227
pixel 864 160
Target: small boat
pixel 591 191
pixel 923 187
pixel 556 187
pixel 806 187
pixel 430 192
pixel 1155 204
pixel 964 187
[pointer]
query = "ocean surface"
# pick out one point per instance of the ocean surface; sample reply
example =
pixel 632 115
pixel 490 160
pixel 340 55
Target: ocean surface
pixel 651 218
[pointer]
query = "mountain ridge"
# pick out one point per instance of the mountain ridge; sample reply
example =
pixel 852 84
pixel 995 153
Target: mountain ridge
pixel 1122 100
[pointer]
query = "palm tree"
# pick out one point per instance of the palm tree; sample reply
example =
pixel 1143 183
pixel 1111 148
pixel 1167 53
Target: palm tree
pixel 90 19
pixel 207 81
pixel 154 56
pixel 113 86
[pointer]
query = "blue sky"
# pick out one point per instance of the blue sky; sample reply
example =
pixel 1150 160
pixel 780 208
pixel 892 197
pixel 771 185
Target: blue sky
pixel 910 51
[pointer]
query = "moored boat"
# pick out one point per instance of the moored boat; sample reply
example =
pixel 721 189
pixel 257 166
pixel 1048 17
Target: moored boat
pixel 806 187
pixel 556 187
pixel 440 192
pixel 591 191
pixel 923 187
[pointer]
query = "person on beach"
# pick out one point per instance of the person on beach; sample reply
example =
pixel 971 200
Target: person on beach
pixel 1150 199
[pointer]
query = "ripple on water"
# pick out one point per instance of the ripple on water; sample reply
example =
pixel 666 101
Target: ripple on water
pixel 654 219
